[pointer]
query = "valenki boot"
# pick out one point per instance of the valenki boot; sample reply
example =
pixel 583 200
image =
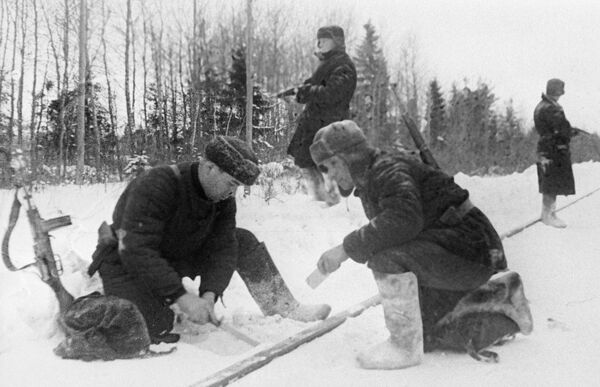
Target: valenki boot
pixel 400 301
pixel 549 213
pixel 270 292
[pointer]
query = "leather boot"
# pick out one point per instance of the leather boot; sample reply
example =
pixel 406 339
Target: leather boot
pixel 270 292
pixel 400 301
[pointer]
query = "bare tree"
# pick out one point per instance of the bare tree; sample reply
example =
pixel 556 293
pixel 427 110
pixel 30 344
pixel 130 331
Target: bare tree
pixel 33 87
pixel 249 74
pixel 62 155
pixel 111 113
pixel 21 75
pixel 3 18
pixel 130 124
pixel 11 121
pixel 82 86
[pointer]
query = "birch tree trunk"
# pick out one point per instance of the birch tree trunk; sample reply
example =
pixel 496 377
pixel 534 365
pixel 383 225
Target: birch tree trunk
pixel 113 124
pixel 22 75
pixel 33 141
pixel 11 120
pixel 81 100
pixel 249 80
pixel 65 89
pixel 129 127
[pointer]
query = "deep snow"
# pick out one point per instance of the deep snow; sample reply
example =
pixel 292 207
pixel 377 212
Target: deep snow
pixel 559 269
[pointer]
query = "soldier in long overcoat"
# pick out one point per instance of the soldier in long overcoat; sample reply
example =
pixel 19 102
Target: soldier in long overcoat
pixel 555 174
pixel 327 94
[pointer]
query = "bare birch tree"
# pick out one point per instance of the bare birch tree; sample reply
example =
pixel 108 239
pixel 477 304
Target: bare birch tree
pixel 130 124
pixel 33 87
pixel 111 113
pixel 11 120
pixel 22 74
pixel 82 86
pixel 62 155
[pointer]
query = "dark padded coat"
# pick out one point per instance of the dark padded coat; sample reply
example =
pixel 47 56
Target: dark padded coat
pixel 169 229
pixel 404 200
pixel 555 136
pixel 327 100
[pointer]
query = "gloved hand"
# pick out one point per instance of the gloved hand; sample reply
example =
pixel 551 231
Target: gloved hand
pixel 332 259
pixel 544 162
pixel 200 310
pixel 302 93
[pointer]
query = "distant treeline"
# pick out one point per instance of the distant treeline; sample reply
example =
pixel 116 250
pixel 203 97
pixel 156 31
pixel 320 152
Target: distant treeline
pixel 155 81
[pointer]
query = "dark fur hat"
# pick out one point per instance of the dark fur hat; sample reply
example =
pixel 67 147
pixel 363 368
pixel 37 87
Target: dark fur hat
pixel 234 157
pixel 555 87
pixel 336 33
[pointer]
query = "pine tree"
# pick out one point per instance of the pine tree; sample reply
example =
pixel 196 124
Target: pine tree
pixel 235 97
pixel 371 96
pixel 437 114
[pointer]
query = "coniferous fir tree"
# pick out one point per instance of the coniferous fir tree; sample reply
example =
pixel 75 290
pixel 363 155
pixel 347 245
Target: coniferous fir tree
pixel 371 95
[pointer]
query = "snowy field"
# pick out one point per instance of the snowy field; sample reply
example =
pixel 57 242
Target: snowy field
pixel 560 270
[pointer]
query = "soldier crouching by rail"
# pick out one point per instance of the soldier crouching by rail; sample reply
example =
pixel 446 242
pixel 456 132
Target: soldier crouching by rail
pixel 432 252
pixel 179 220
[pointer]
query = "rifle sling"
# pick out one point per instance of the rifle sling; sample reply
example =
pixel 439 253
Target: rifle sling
pixel 12 221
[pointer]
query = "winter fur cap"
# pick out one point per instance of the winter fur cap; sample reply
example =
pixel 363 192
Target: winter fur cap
pixel 555 87
pixel 338 137
pixel 336 33
pixel 234 157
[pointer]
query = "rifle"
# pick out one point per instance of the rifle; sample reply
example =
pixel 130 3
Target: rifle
pixel 287 93
pixel 588 134
pixel 424 150
pixel 49 266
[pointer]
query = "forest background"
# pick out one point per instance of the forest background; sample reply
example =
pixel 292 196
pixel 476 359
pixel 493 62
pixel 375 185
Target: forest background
pixel 94 91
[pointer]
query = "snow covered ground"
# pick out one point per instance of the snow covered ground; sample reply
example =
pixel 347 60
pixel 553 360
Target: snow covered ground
pixel 559 269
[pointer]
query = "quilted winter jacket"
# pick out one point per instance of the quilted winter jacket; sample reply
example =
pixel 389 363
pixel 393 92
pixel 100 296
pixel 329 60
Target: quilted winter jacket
pixel 404 200
pixel 168 229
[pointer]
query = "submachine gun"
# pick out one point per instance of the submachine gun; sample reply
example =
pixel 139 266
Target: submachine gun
pixel 49 266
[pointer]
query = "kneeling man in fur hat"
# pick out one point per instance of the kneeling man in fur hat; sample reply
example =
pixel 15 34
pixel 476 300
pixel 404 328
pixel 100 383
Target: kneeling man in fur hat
pixel 179 220
pixel 432 253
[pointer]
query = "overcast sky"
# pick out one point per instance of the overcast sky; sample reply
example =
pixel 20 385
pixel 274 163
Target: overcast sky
pixel 513 45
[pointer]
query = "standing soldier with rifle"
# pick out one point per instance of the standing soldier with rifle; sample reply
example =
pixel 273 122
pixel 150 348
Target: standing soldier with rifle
pixel 555 174
pixel 327 94
pixel 432 253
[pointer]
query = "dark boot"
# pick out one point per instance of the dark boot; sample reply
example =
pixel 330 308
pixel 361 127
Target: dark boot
pixel 270 291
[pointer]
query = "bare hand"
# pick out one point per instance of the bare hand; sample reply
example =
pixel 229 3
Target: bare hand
pixel 332 259
pixel 200 310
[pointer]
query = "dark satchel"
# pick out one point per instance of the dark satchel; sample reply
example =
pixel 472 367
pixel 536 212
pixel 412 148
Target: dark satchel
pixel 101 327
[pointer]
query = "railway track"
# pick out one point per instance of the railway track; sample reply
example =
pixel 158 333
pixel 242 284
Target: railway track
pixel 253 362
